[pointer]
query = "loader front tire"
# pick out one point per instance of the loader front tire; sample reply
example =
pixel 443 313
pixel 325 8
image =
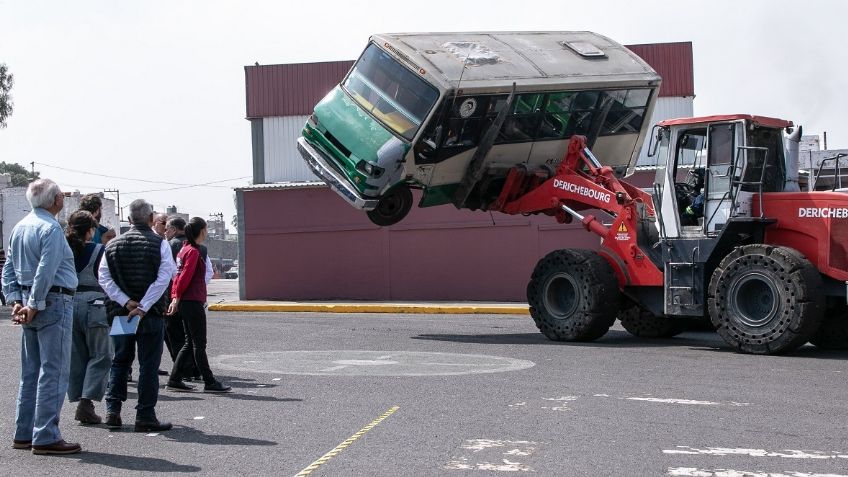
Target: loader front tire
pixel 573 295
pixel 765 299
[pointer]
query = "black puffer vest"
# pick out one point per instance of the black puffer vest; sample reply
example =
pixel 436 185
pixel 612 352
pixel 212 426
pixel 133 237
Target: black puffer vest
pixel 134 260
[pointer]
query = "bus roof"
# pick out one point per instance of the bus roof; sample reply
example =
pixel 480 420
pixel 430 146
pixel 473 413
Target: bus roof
pixel 581 60
pixel 759 120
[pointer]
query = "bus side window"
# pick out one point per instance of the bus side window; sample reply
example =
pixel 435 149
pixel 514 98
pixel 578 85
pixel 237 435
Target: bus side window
pixel 626 112
pixel 582 113
pixel 469 118
pixel 557 115
pixel 523 122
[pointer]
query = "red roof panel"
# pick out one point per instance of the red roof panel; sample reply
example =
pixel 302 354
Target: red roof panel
pixel 293 89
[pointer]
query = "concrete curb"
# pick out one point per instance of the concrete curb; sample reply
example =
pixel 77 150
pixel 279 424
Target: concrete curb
pixel 373 308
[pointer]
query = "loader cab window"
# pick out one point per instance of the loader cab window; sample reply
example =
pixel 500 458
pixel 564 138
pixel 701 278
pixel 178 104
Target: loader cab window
pixel 689 175
pixel 769 157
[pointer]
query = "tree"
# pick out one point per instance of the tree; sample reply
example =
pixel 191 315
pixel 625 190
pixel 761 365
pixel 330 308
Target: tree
pixel 21 176
pixel 6 82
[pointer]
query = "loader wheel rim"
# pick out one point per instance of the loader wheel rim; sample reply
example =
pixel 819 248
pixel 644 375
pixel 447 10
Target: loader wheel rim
pixel 561 295
pixel 755 298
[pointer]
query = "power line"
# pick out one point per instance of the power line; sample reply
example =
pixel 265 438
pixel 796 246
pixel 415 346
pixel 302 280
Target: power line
pixel 205 184
pixel 108 176
pixel 179 185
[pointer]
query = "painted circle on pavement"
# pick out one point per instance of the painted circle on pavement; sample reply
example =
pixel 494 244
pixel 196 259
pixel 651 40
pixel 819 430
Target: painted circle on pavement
pixel 369 363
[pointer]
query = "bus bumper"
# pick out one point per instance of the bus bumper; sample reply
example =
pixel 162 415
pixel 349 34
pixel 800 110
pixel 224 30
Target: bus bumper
pixel 319 165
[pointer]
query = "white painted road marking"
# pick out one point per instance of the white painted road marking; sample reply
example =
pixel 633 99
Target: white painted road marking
pixel 369 363
pixel 695 472
pixel 494 455
pixel 789 454
pixel 674 401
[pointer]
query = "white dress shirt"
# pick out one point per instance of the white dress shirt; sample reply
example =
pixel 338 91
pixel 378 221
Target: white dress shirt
pixel 167 269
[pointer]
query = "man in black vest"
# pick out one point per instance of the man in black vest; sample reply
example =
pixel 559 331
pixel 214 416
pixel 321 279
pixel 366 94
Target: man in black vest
pixel 137 270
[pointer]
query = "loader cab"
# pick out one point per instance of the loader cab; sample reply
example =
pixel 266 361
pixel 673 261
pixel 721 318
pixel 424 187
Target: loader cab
pixel 709 169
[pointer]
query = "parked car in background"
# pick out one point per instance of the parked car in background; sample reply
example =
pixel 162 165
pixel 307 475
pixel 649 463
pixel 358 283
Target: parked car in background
pixel 232 273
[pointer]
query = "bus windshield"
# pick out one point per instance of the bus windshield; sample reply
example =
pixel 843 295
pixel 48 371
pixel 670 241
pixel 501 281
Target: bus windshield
pixel 397 97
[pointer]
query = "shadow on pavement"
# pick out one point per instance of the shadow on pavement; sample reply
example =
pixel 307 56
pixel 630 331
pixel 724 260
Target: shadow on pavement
pixel 131 462
pixel 695 340
pixel 254 397
pixel 614 338
pixel 190 434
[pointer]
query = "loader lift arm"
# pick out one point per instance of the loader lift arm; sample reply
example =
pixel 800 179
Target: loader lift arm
pixel 580 182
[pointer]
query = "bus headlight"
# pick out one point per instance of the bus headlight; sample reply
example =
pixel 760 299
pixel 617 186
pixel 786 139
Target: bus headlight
pixel 370 169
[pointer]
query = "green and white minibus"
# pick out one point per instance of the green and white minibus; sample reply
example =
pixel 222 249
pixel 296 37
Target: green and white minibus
pixel 416 109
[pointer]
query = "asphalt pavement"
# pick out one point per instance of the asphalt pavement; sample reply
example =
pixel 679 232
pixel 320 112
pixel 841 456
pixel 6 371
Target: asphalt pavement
pixel 334 394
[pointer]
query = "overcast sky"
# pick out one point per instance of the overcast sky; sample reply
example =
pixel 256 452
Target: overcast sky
pixel 154 90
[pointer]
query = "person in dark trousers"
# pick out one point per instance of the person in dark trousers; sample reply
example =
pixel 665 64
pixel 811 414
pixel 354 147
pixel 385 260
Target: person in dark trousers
pixel 174 330
pixel 135 273
pixel 188 297
pixel 91 349
pixel 39 278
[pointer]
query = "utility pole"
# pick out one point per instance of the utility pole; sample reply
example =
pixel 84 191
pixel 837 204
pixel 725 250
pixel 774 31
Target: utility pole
pixel 32 165
pixel 219 227
pixel 120 211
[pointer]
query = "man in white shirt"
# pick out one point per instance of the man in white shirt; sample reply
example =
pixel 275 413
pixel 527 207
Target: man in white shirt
pixel 137 269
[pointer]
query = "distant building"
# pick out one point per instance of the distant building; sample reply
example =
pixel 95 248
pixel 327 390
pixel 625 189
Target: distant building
pixel 14 207
pixel 172 212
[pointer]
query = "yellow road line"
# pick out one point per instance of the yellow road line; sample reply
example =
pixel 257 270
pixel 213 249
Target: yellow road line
pixel 375 308
pixel 329 455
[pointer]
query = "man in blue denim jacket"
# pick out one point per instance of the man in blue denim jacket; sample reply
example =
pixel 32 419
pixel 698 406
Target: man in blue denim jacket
pixel 40 279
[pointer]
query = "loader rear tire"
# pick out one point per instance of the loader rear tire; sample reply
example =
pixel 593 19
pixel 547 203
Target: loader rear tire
pixel 765 299
pixel 573 295
pixel 833 332
pixel 644 324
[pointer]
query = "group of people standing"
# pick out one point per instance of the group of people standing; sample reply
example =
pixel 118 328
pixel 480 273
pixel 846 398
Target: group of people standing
pixel 68 286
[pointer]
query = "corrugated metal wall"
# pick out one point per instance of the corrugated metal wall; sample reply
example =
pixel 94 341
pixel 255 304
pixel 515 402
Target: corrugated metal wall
pixel 282 161
pixel 666 108
pixel 673 62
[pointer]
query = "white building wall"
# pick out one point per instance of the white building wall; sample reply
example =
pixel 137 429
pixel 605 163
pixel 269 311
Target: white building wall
pixel 666 108
pixel 14 206
pixel 282 161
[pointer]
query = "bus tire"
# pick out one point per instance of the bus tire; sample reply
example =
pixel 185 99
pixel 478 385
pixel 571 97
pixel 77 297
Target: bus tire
pixel 573 295
pixel 765 299
pixel 392 207
pixel 644 324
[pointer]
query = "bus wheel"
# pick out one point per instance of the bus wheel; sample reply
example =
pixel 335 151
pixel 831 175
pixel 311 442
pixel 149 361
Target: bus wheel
pixel 765 299
pixel 644 324
pixel 392 207
pixel 833 332
pixel 573 295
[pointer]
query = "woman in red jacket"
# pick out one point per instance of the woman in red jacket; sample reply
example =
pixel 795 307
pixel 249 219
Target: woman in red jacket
pixel 188 294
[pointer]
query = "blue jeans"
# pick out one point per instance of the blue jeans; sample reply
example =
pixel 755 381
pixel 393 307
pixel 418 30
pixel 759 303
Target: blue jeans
pixel 45 363
pixel 149 337
pixel 91 349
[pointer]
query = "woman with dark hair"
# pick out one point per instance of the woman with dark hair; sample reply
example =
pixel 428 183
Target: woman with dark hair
pixel 91 349
pixel 188 293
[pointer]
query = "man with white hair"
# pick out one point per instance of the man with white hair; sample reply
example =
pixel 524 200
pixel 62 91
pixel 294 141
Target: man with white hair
pixel 135 272
pixel 39 277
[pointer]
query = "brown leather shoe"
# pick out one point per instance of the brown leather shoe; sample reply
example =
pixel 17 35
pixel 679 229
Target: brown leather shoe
pixel 85 413
pixel 60 447
pixel 16 444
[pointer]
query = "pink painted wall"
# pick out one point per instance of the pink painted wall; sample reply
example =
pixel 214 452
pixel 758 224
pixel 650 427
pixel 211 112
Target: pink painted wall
pixel 308 244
